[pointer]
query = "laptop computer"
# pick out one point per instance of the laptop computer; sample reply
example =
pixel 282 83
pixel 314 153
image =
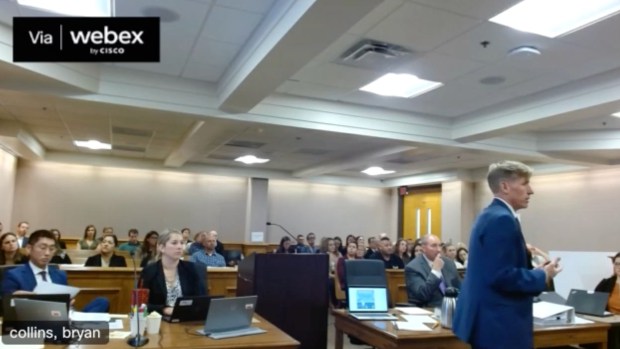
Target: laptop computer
pixel 190 309
pixel 231 317
pixel 550 297
pixel 43 321
pixel 588 302
pixel 369 303
pixel 8 304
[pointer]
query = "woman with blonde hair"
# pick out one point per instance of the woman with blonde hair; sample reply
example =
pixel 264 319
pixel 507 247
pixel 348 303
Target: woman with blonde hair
pixel 170 277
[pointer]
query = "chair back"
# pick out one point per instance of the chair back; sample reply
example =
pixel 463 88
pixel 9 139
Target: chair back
pixel 365 272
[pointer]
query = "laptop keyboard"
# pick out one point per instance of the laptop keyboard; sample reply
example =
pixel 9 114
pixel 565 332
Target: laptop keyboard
pixel 237 333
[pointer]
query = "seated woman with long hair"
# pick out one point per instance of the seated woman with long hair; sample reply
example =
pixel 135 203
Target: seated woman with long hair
pixel 9 251
pixel 148 250
pixel 170 277
pixel 106 257
pixel 611 285
pixel 285 245
pixel 401 250
pixel 340 271
pixel 89 240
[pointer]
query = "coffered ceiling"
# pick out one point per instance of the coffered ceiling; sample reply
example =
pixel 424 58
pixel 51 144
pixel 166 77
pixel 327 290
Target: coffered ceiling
pixel 267 77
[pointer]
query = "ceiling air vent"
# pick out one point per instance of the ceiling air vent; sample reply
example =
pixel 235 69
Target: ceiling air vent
pixel 376 55
pixel 245 144
pixel 128 148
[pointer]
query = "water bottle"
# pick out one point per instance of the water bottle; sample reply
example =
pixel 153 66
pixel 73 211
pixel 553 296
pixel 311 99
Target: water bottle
pixel 448 305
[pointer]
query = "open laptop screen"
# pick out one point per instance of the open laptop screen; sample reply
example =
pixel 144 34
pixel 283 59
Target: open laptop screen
pixel 367 299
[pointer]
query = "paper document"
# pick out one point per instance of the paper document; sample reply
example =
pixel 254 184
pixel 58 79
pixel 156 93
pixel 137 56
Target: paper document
pixel 45 287
pixel 119 334
pixel 116 324
pixel 414 311
pixel 81 316
pixel 543 310
pixel 411 326
pixel 582 321
pixel 419 318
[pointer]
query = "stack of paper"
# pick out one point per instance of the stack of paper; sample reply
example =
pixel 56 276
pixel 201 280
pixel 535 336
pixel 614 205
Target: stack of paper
pixel 417 319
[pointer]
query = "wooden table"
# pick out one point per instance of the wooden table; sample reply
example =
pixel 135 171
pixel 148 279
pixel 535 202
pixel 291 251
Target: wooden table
pixel 383 335
pixel 183 336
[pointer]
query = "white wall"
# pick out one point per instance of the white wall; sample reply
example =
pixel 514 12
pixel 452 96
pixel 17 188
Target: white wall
pixel 8 169
pixel 70 196
pixel 457 211
pixel 577 211
pixel 329 210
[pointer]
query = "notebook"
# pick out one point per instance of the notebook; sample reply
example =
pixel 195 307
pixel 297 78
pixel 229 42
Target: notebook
pixel 369 303
pixel 588 302
pixel 231 317
pixel 190 309
pixel 8 304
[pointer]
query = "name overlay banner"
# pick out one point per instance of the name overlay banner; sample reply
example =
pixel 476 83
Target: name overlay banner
pixel 85 39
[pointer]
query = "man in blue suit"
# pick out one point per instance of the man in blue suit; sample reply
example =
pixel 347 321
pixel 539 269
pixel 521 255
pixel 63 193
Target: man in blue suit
pixel 494 309
pixel 23 279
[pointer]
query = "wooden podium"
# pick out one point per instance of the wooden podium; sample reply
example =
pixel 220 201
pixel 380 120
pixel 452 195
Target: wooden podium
pixel 292 292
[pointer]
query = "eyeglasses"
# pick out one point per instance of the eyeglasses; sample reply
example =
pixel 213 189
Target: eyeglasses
pixel 617 264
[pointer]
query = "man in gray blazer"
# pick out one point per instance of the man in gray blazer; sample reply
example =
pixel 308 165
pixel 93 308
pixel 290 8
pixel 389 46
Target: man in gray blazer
pixel 428 275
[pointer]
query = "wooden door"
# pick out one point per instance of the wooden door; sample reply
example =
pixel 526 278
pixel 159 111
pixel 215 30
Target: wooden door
pixel 422 212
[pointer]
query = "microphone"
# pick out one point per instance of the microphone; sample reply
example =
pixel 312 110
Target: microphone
pixel 287 232
pixel 138 340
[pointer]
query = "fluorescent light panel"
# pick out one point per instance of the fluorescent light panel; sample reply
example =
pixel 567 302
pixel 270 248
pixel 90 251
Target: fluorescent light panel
pixel 400 85
pixel 81 8
pixel 93 144
pixel 552 18
pixel 617 114
pixel 251 159
pixel 376 171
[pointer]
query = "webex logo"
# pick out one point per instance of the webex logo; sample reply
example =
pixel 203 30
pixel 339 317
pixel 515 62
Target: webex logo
pixel 85 39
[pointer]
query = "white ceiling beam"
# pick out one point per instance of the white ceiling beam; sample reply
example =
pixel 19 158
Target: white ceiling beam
pixel 594 96
pixel 349 162
pixel 293 33
pixel 579 140
pixel 19 141
pixel 201 140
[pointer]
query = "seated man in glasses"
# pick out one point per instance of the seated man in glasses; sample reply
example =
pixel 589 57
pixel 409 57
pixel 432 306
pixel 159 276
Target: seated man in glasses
pixel 23 279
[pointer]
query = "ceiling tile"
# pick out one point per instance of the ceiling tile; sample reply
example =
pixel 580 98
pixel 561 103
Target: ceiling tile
pixel 336 75
pixel 229 25
pixel 420 28
pixel 480 9
pixel 258 6
pixel 440 67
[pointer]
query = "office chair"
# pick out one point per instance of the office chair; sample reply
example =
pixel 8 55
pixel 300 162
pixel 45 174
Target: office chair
pixel 232 256
pixel 365 273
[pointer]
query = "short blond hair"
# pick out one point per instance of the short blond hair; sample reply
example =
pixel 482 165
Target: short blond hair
pixel 506 170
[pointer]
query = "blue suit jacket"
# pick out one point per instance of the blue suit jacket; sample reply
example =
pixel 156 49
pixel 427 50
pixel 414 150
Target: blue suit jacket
pixel 494 309
pixel 21 278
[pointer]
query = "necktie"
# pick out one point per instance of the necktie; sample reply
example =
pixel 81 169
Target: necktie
pixel 43 275
pixel 442 286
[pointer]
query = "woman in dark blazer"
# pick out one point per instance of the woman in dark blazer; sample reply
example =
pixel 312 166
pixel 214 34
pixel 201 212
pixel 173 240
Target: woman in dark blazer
pixel 170 278
pixel 106 258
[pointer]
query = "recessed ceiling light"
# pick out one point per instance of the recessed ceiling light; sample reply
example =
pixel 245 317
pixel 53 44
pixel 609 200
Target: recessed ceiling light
pixel 93 144
pixel 616 114
pixel 400 85
pixel 375 171
pixel 553 18
pixel 82 8
pixel 251 159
